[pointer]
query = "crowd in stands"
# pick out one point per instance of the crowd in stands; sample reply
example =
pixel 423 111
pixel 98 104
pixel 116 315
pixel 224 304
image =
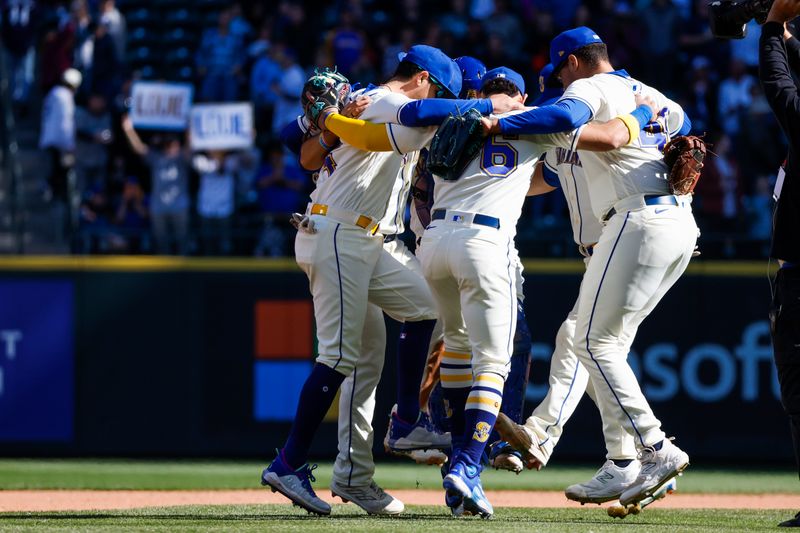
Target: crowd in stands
pixel 143 191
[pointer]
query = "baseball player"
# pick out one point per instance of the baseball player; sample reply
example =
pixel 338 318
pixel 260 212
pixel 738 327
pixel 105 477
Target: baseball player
pixel 568 378
pixel 347 266
pixel 354 466
pixel 646 243
pixel 468 259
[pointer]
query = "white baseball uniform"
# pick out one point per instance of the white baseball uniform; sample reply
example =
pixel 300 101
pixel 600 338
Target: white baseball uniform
pixel 471 266
pixel 568 378
pixel 345 260
pixel 396 280
pixel 642 251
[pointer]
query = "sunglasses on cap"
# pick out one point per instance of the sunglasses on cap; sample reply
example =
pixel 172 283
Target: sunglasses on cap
pixel 441 92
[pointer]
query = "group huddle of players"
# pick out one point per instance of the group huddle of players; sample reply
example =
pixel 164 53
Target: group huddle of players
pixel 594 132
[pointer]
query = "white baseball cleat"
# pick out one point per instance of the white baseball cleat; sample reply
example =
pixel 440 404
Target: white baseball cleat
pixel 607 484
pixel 427 457
pixel 371 498
pixel 658 467
pixel 620 511
pixel 403 437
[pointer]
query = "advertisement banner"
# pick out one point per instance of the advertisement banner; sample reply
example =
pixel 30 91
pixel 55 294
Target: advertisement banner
pixel 222 126
pixel 36 361
pixel 161 106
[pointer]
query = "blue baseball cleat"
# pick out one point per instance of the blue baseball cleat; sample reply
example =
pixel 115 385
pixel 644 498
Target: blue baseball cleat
pixel 462 485
pixel 295 485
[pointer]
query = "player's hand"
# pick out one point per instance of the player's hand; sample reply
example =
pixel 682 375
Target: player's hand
pixel 783 11
pixel 649 102
pixel 502 103
pixel 490 125
pixel 354 108
pixel 302 223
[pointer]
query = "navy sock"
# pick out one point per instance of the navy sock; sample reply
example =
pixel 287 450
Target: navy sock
pixel 316 398
pixel 456 401
pixel 622 463
pixel 657 446
pixel 479 425
pixel 412 354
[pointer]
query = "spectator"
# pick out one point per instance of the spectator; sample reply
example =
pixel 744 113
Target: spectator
pixel 455 21
pixel 702 96
pixel 58 131
pixel 280 183
pixel 505 25
pixel 57 50
pixel 758 210
pixel 169 209
pixel 288 89
pixel 746 50
pixel 661 22
pixel 131 217
pixel 265 76
pixel 345 43
pixel 215 200
pixel 717 192
pixel 219 61
pixel 113 20
pixel 95 220
pixel 93 128
pixel 239 25
pixel 100 64
pixel 18 31
pixel 734 97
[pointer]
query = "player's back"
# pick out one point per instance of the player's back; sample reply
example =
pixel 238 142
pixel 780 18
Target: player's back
pixel 495 182
pixel 631 170
pixel 357 180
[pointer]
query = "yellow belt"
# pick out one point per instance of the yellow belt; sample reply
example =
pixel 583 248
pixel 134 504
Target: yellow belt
pixel 361 221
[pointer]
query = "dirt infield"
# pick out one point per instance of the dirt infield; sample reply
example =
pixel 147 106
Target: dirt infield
pixel 69 500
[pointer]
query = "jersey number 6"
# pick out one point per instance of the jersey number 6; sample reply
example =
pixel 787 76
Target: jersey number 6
pixel 498 158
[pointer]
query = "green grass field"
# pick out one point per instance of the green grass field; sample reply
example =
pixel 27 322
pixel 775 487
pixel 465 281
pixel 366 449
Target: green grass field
pixel 218 475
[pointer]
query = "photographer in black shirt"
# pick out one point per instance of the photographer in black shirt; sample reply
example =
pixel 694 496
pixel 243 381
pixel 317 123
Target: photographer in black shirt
pixel 779 57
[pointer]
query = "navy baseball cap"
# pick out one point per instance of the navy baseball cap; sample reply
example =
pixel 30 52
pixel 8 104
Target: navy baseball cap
pixel 505 72
pixel 567 42
pixel 442 69
pixel 472 73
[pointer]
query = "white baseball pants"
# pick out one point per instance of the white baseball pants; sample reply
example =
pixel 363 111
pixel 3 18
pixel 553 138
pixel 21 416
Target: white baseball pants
pixel 471 271
pixel 568 380
pixel 639 256
pixel 348 268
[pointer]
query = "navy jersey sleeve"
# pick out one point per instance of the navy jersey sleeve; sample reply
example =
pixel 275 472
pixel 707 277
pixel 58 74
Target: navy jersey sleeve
pixel 432 112
pixel 564 115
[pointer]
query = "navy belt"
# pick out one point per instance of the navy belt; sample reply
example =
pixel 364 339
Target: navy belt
pixel 649 199
pixel 482 220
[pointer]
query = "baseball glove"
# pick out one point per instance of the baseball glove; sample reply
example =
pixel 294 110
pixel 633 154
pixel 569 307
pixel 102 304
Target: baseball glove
pixel 684 157
pixel 457 141
pixel 323 92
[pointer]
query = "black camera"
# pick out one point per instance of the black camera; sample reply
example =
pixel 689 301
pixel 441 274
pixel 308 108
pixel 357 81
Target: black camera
pixel 729 18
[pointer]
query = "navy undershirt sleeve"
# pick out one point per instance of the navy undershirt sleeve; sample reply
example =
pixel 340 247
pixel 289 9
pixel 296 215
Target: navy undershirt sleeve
pixel 432 112
pixel 687 126
pixel 564 115
pixel 292 136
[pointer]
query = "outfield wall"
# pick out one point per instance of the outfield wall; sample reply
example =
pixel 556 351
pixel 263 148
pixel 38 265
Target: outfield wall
pixel 196 357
